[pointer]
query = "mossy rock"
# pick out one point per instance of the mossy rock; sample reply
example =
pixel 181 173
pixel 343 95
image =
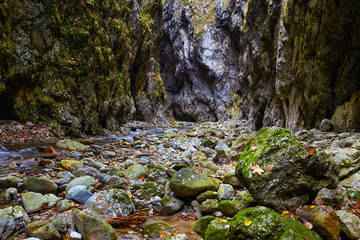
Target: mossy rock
pixel 70 164
pixel 279 172
pixel 202 224
pixel 188 182
pixel 210 205
pixel 157 230
pixel 70 145
pixel 207 195
pixel 263 223
pixel 136 171
pixel 231 207
pixel 9 181
pixel 42 230
pixel 217 229
pixel 91 226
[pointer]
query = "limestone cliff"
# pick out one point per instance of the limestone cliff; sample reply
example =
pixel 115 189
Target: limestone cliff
pixel 80 65
pixel 289 63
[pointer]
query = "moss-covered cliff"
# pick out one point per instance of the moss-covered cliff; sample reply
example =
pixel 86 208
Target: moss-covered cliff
pixel 80 65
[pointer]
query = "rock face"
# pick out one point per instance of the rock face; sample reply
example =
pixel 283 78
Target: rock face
pixel 80 66
pixel 281 173
pixel 272 62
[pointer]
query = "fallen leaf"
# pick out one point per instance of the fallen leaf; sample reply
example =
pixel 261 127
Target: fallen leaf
pixel 270 168
pixel 312 150
pixel 247 222
pixel 257 170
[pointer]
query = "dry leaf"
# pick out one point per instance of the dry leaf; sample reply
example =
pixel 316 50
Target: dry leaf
pixel 247 222
pixel 257 170
pixel 253 148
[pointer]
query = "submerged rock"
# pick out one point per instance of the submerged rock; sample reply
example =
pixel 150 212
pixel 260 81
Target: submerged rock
pixel 70 145
pixel 279 172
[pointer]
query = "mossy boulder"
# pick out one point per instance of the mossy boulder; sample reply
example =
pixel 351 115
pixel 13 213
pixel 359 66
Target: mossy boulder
pixel 231 207
pixel 70 164
pixel 189 182
pixel 217 229
pixel 281 173
pixel 157 230
pixel 70 145
pixel 202 224
pixel 42 230
pixel 136 171
pixel 40 184
pixel 209 205
pixel 263 223
pixel 93 227
pixel 33 201
pixel 9 181
pixel 207 195
pixel 111 202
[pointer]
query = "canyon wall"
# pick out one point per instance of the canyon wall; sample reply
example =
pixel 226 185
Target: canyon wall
pixel 289 63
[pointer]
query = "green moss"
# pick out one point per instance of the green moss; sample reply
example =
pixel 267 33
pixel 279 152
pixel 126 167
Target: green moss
pixel 157 230
pixel 202 224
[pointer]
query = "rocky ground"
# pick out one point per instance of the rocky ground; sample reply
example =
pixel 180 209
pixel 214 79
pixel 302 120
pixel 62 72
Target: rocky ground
pixel 156 182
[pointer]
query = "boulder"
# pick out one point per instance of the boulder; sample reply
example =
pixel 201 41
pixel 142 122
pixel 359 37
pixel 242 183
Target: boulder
pixel 32 201
pixel 225 192
pixel 136 171
pixel 347 159
pixel 79 194
pixel 93 227
pixel 230 178
pixel 170 205
pixel 263 223
pixel 325 221
pixel 9 195
pixel 9 181
pixel 41 185
pixel 280 172
pixel 157 230
pixel 64 205
pixel 86 181
pixel 111 202
pixel 207 195
pixel 70 164
pixel 12 221
pixel 336 198
pixel 42 230
pixel 349 224
pixel 70 145
pixel 210 205
pixel 202 224
pixel 231 207
pixel 217 229
pixel 188 182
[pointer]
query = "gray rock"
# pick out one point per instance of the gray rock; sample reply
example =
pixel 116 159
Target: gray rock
pixel 81 170
pixel 42 230
pixel 333 197
pixel 279 172
pixel 93 227
pixel 75 236
pixel 111 202
pixel 12 221
pixel 222 148
pixel 352 182
pixel 347 159
pixel 170 205
pixel 349 224
pixel 326 125
pixel 79 194
pixel 33 201
pixel 41 185
pixel 225 192
pixel 86 181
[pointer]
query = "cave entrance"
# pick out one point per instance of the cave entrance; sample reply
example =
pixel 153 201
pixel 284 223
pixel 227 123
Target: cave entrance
pixel 7 101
